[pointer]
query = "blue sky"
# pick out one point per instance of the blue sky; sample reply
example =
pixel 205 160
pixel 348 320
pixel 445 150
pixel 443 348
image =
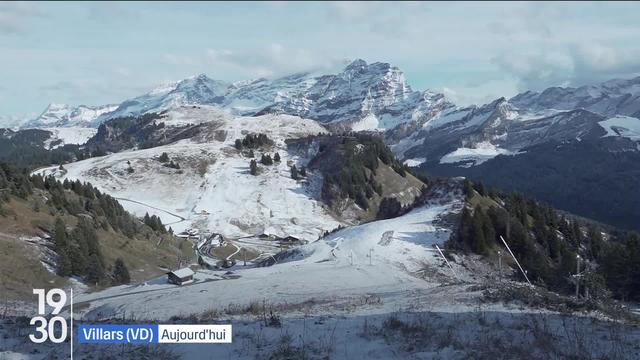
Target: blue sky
pixel 98 53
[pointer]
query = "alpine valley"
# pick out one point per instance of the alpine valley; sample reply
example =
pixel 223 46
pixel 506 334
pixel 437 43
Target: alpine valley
pixel 314 205
pixel 575 148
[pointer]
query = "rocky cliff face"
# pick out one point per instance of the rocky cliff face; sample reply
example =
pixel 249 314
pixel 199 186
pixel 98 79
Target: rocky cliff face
pixel 363 96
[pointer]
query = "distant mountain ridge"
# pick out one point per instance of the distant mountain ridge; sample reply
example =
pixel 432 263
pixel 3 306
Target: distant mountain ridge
pixel 612 97
pixel 62 115
pixel 363 96
pixel 576 148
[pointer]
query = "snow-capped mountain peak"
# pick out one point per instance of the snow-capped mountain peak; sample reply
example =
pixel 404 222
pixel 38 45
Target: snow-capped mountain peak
pixel 375 96
pixel 63 115
pixel 356 64
pixel 608 98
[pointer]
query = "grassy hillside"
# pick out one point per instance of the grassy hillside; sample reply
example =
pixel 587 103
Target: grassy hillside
pixel 360 172
pixel 30 255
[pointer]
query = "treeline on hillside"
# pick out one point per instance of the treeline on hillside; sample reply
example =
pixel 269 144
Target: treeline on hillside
pixel 154 223
pixel 360 152
pixel 253 141
pixel 78 250
pixel 25 148
pixel 589 178
pixel 547 243
pixel 265 160
pixel 126 132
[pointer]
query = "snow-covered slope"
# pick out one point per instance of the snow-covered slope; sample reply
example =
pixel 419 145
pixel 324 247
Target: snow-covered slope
pixel 614 97
pixel 473 135
pixel 527 119
pixel 369 96
pixel 213 189
pixel 197 90
pixel 332 268
pixel 624 126
pixel 61 115
pixel 68 135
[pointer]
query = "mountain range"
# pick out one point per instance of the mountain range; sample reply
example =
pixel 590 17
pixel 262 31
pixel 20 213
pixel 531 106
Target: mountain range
pixel 364 96
pixel 427 130
pixel 308 194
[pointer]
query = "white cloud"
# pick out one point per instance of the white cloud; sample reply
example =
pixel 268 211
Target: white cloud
pixel 15 16
pixel 573 64
pixel 270 60
pixel 111 11
pixel 479 50
pixel 351 10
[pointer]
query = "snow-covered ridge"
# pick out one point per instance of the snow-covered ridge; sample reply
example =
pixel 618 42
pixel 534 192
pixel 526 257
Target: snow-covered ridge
pixel 369 96
pixel 68 135
pixel 609 98
pixel 213 189
pixel 61 115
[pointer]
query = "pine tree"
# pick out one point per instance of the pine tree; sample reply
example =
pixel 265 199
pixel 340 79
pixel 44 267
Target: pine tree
pixel 294 172
pixel 468 188
pixel 266 159
pixel 276 157
pixel 164 157
pixel 253 167
pixel 95 269
pixel 480 188
pixel 120 273
pixel 238 144
pixel 361 200
pixel 62 249
pixel 389 208
pixel 303 172
pixel 595 242
pixel 60 234
pixel 478 244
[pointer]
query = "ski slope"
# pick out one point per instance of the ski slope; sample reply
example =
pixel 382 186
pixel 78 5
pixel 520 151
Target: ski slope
pixel 332 268
pixel 213 190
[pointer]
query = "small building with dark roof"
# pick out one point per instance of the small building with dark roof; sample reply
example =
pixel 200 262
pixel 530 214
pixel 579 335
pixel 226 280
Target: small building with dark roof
pixel 180 277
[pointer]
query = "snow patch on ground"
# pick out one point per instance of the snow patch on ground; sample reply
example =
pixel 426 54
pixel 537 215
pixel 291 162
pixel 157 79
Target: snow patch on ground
pixel 624 126
pixel 369 122
pixel 415 161
pixel 443 119
pixel 69 135
pixel 474 156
